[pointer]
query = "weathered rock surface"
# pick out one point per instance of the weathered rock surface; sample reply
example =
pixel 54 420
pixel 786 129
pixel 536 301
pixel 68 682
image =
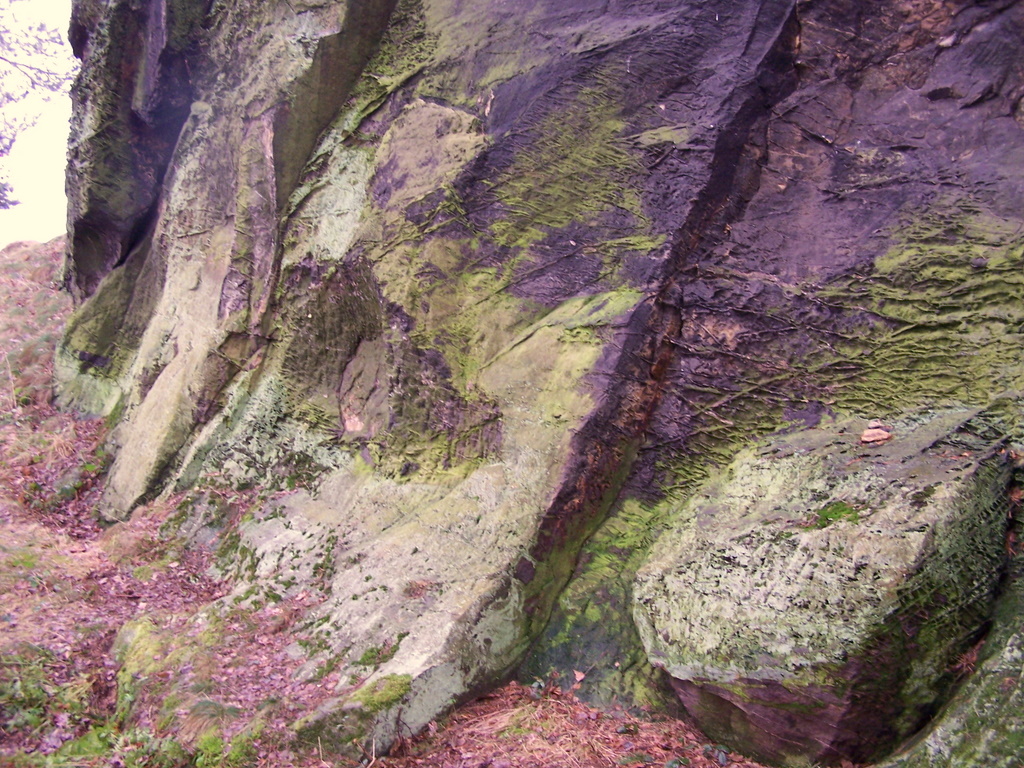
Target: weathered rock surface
pixel 490 288
pixel 984 724
pixel 811 601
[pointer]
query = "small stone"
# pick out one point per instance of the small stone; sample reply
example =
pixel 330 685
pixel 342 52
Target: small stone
pixel 875 435
pixel 979 263
pixel 877 424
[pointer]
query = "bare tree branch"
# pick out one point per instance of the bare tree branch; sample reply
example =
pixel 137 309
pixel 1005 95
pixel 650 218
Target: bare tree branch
pixel 35 61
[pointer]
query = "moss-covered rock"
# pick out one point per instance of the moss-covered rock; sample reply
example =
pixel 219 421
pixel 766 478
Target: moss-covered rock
pixel 343 725
pixel 983 724
pixel 476 296
pixel 417 571
pixel 809 602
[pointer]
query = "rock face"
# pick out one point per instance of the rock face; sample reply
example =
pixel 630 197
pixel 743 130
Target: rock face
pixel 984 723
pixel 476 295
pixel 811 601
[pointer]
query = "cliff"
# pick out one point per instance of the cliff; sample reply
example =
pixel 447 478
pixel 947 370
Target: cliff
pixel 482 306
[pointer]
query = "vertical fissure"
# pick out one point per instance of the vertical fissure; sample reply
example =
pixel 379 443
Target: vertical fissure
pixel 606 447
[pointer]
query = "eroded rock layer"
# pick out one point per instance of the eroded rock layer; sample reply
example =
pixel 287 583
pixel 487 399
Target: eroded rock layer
pixel 476 295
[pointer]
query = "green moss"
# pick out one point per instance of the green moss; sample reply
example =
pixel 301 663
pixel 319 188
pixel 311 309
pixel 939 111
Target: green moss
pixel 146 653
pixel 30 699
pixel 324 568
pixel 591 627
pixel 141 649
pixel 383 693
pixel 936 321
pixel 135 748
pixel 102 336
pixel 169 711
pixel 947 297
pixel 465 321
pixel 139 646
pixel 242 752
pixel 375 656
pixel 327 317
pixel 835 512
pixel 143 572
pixel 113 418
pixel 920 498
pixel 983 724
pixel 404 50
pixel 574 170
pixel 186 18
pixel 209 749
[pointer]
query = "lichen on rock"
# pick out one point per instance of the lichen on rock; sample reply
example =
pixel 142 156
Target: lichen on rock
pixel 815 594
pixel 983 724
pixel 475 297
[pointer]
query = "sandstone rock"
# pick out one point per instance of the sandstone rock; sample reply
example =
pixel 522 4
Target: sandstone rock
pixel 984 723
pixel 809 602
pixel 833 214
pixel 511 279
pixel 384 252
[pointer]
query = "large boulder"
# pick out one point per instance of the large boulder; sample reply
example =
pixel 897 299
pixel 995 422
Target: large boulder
pixel 810 602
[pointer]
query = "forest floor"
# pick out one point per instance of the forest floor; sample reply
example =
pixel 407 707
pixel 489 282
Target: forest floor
pixel 69 586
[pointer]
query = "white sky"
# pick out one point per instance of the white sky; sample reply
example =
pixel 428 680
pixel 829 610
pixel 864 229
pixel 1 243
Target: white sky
pixel 35 166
